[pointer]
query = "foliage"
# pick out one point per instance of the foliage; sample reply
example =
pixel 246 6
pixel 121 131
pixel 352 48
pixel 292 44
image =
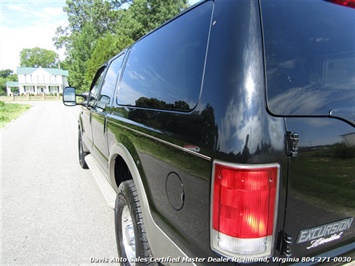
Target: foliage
pixel 4 73
pixel 145 15
pixel 38 57
pixel 106 47
pixel 88 21
pixel 82 49
pixel 99 29
pixel 3 86
pixel 5 76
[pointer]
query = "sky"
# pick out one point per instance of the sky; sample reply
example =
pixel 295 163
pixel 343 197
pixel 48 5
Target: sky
pixel 29 24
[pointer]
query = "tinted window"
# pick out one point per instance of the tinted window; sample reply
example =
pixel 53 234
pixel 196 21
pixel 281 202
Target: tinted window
pixel 94 89
pixel 164 70
pixel 96 83
pixel 109 83
pixel 310 56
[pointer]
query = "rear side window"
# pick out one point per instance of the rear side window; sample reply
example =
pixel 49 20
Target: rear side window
pixel 310 56
pixel 164 69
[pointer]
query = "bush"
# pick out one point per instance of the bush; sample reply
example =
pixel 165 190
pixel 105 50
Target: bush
pixel 4 119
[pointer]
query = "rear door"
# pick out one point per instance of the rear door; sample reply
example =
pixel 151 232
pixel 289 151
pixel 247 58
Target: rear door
pixel 310 63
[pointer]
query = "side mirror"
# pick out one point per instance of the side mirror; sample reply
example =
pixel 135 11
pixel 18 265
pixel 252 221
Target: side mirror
pixel 69 96
pixel 104 101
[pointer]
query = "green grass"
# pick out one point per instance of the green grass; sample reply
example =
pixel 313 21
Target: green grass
pixel 328 178
pixel 11 111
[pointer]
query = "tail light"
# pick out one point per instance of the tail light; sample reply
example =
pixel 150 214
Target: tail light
pixel 244 207
pixel 347 3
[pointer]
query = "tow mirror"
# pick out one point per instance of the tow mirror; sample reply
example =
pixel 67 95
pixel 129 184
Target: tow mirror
pixel 69 96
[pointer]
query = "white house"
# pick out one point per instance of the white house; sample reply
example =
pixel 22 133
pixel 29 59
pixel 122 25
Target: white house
pixel 38 81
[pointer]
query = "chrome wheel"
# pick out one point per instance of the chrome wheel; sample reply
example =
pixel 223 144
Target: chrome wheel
pixel 128 236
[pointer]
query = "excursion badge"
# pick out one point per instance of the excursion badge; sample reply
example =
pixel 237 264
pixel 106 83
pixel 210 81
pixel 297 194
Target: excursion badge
pixel 325 233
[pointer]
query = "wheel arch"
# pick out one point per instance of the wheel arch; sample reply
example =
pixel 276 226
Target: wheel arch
pixel 122 158
pixel 119 171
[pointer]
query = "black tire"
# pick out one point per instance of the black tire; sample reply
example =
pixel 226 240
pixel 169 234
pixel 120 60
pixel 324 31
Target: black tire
pixel 81 152
pixel 127 204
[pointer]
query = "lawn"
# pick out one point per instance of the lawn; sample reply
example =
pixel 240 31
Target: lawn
pixel 328 178
pixel 11 111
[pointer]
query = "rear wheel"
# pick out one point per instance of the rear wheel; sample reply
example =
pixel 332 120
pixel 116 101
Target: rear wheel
pixel 81 152
pixel 131 236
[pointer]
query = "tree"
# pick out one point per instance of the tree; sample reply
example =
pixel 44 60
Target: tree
pixel 38 57
pixel 88 21
pixel 83 45
pixel 5 76
pixel 102 14
pixel 106 47
pixel 99 29
pixel 4 73
pixel 145 15
pixel 161 11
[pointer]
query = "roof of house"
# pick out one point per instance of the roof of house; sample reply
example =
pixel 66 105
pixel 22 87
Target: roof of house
pixel 52 71
pixel 12 84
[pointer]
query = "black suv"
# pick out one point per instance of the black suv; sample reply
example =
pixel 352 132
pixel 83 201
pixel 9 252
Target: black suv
pixel 227 135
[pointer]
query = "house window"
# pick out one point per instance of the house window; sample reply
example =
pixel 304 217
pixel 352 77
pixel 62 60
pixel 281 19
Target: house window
pixel 53 89
pixel 29 88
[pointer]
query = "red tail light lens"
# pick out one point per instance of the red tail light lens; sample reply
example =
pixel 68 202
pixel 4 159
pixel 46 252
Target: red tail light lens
pixel 244 205
pixel 348 3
